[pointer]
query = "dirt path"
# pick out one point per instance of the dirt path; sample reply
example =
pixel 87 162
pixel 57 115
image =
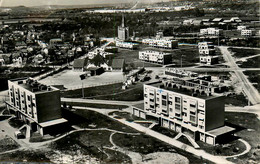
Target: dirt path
pixel 248 148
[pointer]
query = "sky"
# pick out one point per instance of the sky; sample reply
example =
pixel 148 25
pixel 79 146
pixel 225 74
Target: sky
pixel 9 3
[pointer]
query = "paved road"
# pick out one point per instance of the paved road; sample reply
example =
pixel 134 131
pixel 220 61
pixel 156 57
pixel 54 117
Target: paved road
pixel 248 88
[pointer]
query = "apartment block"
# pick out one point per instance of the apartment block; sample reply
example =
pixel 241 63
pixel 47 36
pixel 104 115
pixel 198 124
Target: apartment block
pixel 200 116
pixel 211 32
pixel 38 105
pixel 155 57
pixel 247 33
pixel 161 43
pixel 207 53
pixel 127 45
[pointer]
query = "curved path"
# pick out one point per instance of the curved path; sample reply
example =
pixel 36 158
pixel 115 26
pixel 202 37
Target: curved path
pixel 248 148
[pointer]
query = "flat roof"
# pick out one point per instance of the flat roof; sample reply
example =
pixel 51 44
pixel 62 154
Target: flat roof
pixel 139 106
pixel 33 85
pixel 184 91
pixel 221 130
pixel 53 122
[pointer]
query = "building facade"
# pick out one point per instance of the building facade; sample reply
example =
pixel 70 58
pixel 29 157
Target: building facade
pixel 211 32
pixel 200 116
pixel 155 57
pixel 207 53
pixel 247 33
pixel 38 105
pixel 123 32
pixel 161 43
pixel 127 45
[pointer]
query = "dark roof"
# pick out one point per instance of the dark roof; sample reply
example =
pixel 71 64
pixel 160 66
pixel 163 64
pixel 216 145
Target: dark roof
pixel 79 63
pixel 139 106
pixel 118 63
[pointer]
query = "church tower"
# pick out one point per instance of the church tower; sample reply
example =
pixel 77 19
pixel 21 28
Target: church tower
pixel 123 31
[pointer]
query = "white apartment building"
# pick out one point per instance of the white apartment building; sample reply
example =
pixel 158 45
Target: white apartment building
pixel 127 45
pixel 36 104
pixel 207 53
pixel 155 57
pixel 209 60
pixel 211 32
pixel 206 48
pixel 200 116
pixel 247 33
pixel 161 43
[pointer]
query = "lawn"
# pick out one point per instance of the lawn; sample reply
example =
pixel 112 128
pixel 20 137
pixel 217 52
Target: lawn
pixel 242 52
pixel 25 156
pixel 91 143
pixel 250 134
pixel 145 144
pixel 126 115
pixel 91 105
pixel 250 63
pixel 88 119
pixel 254 77
pixel 236 100
pixel 7 143
pixel 165 131
pixel 108 92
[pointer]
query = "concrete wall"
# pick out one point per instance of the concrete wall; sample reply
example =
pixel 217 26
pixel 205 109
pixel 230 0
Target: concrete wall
pixel 48 106
pixel 215 109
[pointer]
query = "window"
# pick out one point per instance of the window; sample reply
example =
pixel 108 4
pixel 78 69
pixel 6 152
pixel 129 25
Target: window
pixel 145 95
pixel 164 103
pixel 177 115
pixel 185 108
pixel 184 114
pixel 192 118
pixel 170 109
pixel 151 94
pixel 185 101
pixel 33 104
pixel 170 103
pixel 151 106
pixel 177 106
pixel 29 98
pixel 177 99
pixel 193 113
pixel 164 96
pixel 193 105
pixel 201 127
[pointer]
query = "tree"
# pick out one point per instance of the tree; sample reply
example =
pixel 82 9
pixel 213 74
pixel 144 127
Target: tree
pixel 97 60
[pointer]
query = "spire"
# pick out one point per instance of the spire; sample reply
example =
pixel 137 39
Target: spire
pixel 123 21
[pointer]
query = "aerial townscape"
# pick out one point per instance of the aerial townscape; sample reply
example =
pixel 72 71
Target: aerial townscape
pixel 140 81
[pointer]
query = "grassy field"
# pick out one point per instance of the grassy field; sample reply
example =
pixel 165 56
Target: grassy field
pixel 108 92
pixel 88 119
pixel 165 131
pixel 25 156
pixel 254 77
pixel 251 134
pixel 145 144
pixel 7 143
pixel 126 115
pixel 91 105
pixel 241 52
pixel 236 100
pixel 250 63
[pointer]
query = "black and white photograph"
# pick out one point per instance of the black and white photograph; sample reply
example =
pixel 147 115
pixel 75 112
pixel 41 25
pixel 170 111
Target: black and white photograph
pixel 129 81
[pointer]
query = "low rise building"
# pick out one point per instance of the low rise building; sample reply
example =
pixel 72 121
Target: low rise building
pixel 38 105
pixel 127 45
pixel 239 28
pixel 155 57
pixel 200 116
pixel 211 32
pixel 161 43
pixel 207 53
pixel 247 32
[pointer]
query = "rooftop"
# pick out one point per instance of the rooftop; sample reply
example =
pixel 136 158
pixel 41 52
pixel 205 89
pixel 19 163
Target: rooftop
pixel 33 85
pixel 221 130
pixel 184 91
pixel 139 106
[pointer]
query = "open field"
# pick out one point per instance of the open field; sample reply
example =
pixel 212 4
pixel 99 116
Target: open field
pixel 250 134
pixel 241 52
pixel 108 92
pixel 71 79
pixel 254 78
pixel 250 63
pixel 90 119
pixel 236 100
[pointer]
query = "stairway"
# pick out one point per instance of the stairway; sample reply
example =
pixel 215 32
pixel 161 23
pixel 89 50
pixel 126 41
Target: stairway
pixel 191 140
